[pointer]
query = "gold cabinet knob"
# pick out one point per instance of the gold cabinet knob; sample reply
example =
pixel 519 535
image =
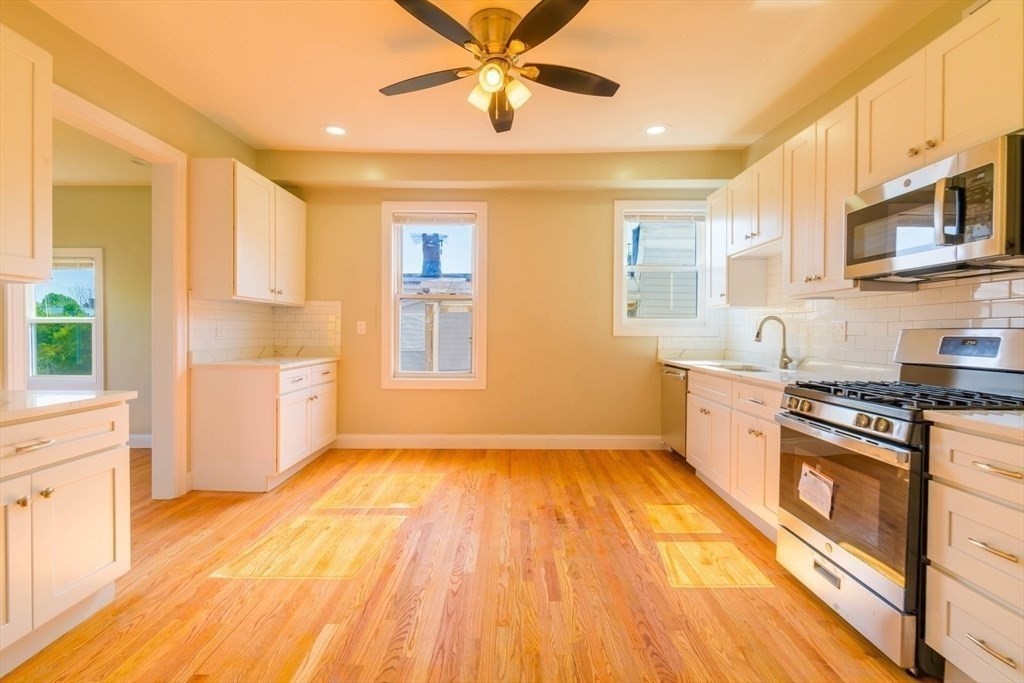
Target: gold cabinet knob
pixel 913 152
pixel 47 492
pixel 22 502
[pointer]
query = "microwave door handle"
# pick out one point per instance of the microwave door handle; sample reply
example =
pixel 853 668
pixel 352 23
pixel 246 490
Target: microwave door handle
pixel 891 455
pixel 942 189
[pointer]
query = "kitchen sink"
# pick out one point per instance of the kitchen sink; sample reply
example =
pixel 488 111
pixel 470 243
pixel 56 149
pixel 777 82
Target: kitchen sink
pixel 734 366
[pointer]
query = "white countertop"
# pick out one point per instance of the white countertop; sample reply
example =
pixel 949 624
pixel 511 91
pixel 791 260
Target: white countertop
pixel 16 406
pixel 1007 425
pixel 275 362
pixel 775 378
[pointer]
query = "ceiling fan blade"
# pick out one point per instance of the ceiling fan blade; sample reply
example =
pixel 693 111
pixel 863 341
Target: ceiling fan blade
pixel 426 81
pixel 501 112
pixel 436 19
pixel 570 79
pixel 545 20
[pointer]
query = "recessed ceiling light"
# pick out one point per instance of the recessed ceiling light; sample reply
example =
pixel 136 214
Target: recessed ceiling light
pixel 656 130
pixel 335 130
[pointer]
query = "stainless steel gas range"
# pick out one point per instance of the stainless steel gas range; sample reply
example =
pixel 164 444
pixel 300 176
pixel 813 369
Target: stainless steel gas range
pixel 853 460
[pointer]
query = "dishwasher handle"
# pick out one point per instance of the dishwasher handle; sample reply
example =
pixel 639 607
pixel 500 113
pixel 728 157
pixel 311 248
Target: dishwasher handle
pixel 674 373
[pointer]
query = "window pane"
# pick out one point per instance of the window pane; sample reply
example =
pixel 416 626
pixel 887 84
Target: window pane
pixel 662 243
pixel 70 293
pixel 455 337
pixel 662 294
pixel 437 259
pixel 61 348
pixel 435 336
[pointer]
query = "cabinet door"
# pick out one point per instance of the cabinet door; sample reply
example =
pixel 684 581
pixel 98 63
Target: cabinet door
pixel 15 560
pixel 741 212
pixel 748 454
pixel 254 235
pixel 698 432
pixel 324 415
pixel 290 248
pixel 768 181
pixel 717 239
pixel 26 143
pixel 719 453
pixel 798 211
pixel 80 527
pixel 890 124
pixel 293 428
pixel 836 179
pixel 975 80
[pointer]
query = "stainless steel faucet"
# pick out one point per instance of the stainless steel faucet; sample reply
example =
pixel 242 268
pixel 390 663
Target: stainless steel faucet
pixel 784 359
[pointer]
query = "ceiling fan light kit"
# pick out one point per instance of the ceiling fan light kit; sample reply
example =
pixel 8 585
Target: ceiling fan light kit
pixel 497 38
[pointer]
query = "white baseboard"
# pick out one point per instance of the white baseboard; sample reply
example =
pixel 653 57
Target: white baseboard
pixel 504 441
pixel 140 441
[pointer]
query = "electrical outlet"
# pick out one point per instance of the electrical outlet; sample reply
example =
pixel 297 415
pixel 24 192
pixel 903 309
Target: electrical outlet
pixel 360 327
pixel 837 331
pixel 222 329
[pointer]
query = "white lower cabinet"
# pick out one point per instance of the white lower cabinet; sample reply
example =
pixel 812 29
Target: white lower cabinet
pixel 254 424
pixel 64 525
pixel 733 442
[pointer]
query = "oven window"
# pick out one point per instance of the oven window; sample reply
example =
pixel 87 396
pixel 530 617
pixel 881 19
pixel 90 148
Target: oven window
pixel 870 501
pixel 898 227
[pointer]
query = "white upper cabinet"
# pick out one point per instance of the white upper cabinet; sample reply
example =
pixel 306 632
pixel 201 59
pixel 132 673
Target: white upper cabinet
pixel 248 236
pixel 26 159
pixel 755 205
pixel 731 282
pixel 820 172
pixel 966 87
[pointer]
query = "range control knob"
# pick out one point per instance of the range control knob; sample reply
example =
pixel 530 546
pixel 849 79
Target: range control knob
pixel 792 403
pixel 805 406
pixel 882 425
pixel 862 420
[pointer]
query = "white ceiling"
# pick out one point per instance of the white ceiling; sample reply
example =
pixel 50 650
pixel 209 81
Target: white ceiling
pixel 720 72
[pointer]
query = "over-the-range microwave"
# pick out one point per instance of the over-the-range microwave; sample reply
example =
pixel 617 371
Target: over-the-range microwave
pixel 958 217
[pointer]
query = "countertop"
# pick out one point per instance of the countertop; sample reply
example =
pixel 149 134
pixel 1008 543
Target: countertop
pixel 16 406
pixel 275 362
pixel 775 378
pixel 1006 425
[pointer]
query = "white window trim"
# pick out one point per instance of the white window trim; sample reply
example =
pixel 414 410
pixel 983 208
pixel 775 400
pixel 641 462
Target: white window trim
pixel 94 382
pixel 476 380
pixel 622 325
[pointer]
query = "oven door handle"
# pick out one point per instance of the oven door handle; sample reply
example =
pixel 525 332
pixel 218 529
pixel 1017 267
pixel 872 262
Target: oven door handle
pixel 891 455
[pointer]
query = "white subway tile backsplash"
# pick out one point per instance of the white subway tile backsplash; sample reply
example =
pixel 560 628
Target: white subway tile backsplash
pixel 1009 308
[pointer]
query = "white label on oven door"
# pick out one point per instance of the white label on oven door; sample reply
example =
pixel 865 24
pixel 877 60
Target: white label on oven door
pixel 816 490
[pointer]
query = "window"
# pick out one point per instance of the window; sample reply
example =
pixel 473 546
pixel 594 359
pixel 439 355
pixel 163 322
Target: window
pixel 433 295
pixel 64 323
pixel 659 268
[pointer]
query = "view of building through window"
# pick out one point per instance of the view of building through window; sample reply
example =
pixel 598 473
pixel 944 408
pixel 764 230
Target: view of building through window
pixel 661 267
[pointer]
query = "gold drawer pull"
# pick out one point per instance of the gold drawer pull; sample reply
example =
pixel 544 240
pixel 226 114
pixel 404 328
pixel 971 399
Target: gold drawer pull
pixel 297 380
pixel 756 400
pixel 989 549
pixel 35 446
pixel 984 646
pixel 1009 474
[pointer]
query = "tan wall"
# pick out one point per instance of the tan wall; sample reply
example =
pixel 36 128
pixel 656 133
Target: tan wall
pixel 553 366
pixel 906 45
pixel 91 73
pixel 116 219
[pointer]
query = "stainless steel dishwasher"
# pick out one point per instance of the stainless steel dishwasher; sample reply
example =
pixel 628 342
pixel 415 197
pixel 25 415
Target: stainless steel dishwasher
pixel 673 408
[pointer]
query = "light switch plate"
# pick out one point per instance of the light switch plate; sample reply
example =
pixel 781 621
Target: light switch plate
pixel 360 327
pixel 837 330
pixel 222 329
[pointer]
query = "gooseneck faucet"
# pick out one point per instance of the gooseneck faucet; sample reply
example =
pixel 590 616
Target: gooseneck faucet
pixel 784 359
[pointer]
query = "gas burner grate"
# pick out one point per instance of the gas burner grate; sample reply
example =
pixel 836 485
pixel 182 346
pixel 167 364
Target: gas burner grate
pixel 915 396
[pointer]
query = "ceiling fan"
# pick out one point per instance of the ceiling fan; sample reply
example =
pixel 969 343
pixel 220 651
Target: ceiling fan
pixel 498 38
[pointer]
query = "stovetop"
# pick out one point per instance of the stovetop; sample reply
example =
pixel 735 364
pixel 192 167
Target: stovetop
pixel 911 396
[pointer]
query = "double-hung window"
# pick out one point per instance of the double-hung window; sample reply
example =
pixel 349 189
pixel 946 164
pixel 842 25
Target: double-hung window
pixel 660 268
pixel 64 323
pixel 433 295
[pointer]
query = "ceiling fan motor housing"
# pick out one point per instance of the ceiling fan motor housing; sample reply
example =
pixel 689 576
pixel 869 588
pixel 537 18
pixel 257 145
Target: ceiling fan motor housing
pixel 492 28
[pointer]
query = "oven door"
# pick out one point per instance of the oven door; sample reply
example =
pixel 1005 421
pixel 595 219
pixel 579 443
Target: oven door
pixel 855 502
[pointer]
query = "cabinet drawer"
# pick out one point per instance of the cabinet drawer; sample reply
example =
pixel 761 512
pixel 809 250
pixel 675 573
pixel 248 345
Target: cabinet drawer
pixel 290 380
pixel 323 373
pixel 28 445
pixel 756 400
pixel 977 539
pixel 995 468
pixel 981 638
pixel 712 388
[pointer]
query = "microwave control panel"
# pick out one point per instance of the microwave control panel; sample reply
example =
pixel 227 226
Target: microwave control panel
pixel 978 187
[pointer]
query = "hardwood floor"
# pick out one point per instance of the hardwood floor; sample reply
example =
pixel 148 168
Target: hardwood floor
pixel 508 565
